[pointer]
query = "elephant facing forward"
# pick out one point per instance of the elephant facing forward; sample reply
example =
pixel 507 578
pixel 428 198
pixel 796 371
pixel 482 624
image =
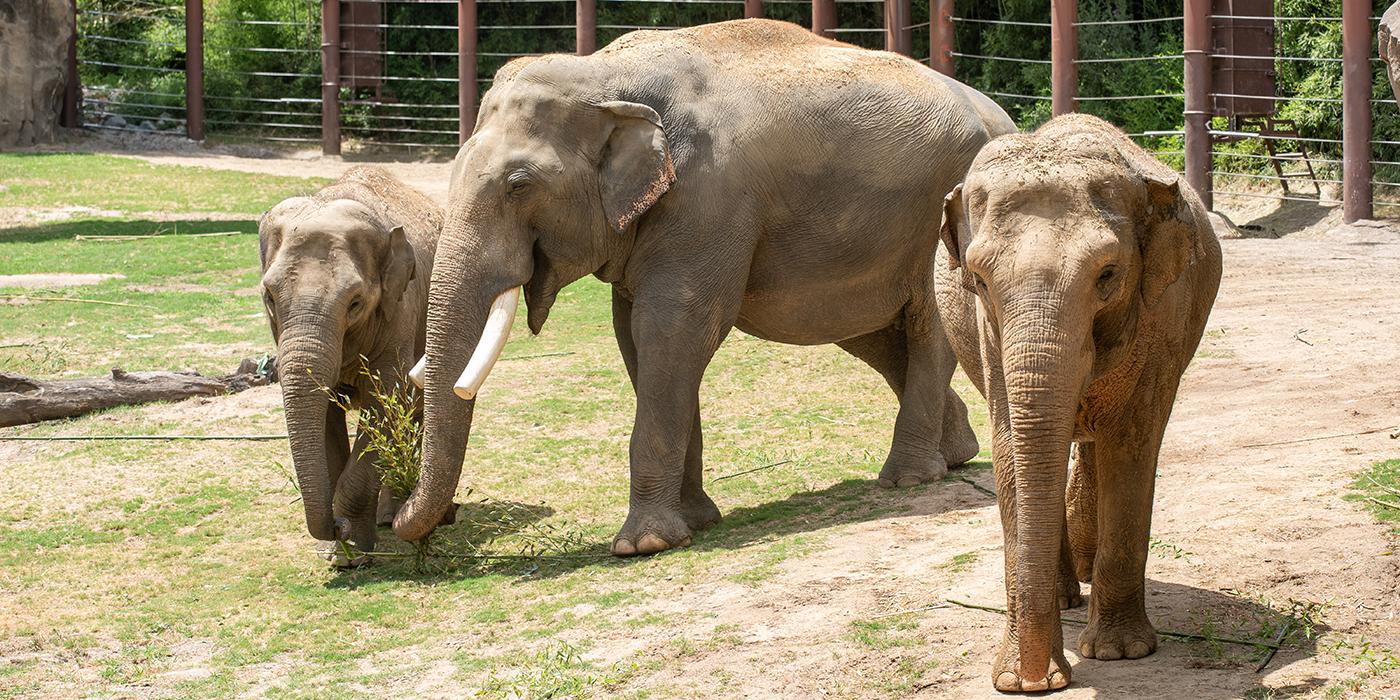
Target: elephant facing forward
pixel 1075 280
pixel 743 174
pixel 345 277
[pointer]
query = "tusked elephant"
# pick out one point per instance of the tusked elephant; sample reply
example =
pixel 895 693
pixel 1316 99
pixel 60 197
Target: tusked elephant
pixel 1075 280
pixel 743 174
pixel 345 276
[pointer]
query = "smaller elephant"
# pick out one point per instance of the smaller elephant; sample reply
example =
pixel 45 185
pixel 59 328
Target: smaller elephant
pixel 1075 279
pixel 345 277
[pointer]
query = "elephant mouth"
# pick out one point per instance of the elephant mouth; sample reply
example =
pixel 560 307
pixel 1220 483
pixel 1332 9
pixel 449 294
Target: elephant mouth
pixel 541 290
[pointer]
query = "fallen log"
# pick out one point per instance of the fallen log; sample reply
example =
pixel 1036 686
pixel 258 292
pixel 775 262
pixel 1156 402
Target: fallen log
pixel 24 400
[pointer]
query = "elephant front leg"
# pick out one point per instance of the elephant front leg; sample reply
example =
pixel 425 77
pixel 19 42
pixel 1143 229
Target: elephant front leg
pixel 1124 471
pixel 356 500
pixel 666 351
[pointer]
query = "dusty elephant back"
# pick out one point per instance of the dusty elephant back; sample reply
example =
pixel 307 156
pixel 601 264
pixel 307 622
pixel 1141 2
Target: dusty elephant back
pixel 398 203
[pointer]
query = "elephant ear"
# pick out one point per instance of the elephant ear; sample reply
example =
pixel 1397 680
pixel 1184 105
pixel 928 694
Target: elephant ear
pixel 635 168
pixel 398 267
pixel 955 232
pixel 1170 241
pixel 270 227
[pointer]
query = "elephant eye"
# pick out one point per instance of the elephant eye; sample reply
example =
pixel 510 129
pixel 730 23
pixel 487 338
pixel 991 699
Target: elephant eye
pixel 1106 280
pixel 356 305
pixel 517 182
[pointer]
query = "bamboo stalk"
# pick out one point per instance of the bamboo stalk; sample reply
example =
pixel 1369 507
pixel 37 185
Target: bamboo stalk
pixel 1164 633
pixel 750 471
pixel 137 237
pixel 77 300
pixel 1318 437
pixel 78 438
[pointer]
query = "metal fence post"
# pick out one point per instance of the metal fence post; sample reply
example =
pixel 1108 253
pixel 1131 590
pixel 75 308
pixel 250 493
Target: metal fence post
pixel 1064 49
pixel 753 8
pixel 823 17
pixel 466 69
pixel 1356 110
pixel 1196 81
pixel 899 36
pixel 194 69
pixel 330 77
pixel 586 26
pixel 941 37
pixel 72 93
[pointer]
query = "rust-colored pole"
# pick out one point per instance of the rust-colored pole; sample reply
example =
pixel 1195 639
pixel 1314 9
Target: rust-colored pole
pixel 753 9
pixel 330 77
pixel 194 69
pixel 466 69
pixel 1064 49
pixel 1196 81
pixel 941 38
pixel 823 17
pixel 1356 110
pixel 586 26
pixel 899 37
pixel 72 93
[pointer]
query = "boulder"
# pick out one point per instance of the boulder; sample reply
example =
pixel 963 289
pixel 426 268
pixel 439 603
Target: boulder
pixel 34 36
pixel 1388 41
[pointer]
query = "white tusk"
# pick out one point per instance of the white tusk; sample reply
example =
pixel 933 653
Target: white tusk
pixel 488 349
pixel 416 374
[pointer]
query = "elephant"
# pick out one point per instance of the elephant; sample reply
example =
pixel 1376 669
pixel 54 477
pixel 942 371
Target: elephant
pixel 345 277
pixel 743 174
pixel 1388 44
pixel 1075 279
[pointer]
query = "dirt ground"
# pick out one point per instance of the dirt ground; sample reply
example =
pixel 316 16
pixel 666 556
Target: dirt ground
pixel 1303 345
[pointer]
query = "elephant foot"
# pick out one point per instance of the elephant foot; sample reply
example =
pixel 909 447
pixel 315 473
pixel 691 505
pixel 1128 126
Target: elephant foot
pixel 1068 596
pixel 1107 640
pixel 651 530
pixel 905 472
pixel 336 553
pixel 959 445
pixel 698 511
pixel 1008 678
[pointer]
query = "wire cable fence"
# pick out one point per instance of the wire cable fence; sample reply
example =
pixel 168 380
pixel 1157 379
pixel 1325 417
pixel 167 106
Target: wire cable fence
pixel 399 62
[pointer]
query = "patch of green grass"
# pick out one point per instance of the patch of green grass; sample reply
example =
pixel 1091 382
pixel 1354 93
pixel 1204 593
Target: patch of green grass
pixel 557 671
pixel 886 633
pixel 1378 490
pixel 131 185
pixel 961 562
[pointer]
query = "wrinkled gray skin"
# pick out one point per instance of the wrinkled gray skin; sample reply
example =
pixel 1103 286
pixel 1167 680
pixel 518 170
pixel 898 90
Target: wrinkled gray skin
pixel 744 174
pixel 1388 43
pixel 345 275
pixel 1075 280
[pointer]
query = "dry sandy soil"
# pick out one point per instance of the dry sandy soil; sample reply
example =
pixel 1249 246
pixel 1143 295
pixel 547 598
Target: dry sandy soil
pixel 1301 356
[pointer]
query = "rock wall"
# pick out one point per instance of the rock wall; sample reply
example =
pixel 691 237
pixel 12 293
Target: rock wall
pixel 34 36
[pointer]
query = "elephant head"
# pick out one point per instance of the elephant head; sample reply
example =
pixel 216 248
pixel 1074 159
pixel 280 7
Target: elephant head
pixel 544 192
pixel 1070 238
pixel 332 269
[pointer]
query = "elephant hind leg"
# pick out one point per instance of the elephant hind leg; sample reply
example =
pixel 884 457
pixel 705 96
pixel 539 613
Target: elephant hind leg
pixel 932 430
pixel 1082 512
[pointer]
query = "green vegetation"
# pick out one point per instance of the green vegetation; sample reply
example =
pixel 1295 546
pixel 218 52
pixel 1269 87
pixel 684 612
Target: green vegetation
pixel 193 301
pixel 1378 490
pixel 131 186
pixel 192 558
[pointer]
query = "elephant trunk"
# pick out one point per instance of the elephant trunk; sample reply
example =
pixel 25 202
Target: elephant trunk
pixel 1045 371
pixel 309 362
pixel 468 288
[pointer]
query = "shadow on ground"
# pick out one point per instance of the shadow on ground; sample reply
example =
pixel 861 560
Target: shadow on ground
pixel 67 229
pixel 559 551
pixel 1236 631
